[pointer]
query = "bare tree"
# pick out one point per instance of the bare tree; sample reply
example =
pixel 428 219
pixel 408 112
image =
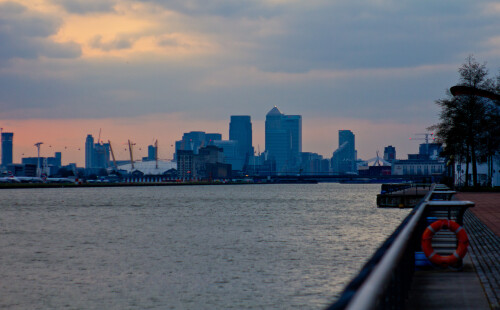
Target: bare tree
pixel 469 121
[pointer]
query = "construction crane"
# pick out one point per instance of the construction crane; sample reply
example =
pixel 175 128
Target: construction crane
pixel 426 140
pixel 426 137
pixel 130 144
pixel 113 156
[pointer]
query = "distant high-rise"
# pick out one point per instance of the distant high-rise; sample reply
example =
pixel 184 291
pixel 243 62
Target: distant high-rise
pixel 240 130
pixel 389 153
pixel 89 151
pixel 194 140
pixel 7 148
pixel 344 158
pixel 101 155
pixel 96 154
pixel 152 152
pixel 284 139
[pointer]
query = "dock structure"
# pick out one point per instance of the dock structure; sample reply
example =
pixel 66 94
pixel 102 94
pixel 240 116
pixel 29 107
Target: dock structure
pixel 406 195
pixel 399 276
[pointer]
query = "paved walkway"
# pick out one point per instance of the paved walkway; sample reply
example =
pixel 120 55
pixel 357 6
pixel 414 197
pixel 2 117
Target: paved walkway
pixel 483 224
pixel 477 286
pixel 487 208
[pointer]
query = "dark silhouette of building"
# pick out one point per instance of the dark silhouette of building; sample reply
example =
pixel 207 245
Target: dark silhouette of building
pixel 7 148
pixel 344 158
pixel 240 130
pixel 97 155
pixel 389 153
pixel 206 165
pixel 194 140
pixel 284 140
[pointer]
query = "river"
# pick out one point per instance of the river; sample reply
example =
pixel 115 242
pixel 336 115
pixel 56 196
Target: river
pixel 288 246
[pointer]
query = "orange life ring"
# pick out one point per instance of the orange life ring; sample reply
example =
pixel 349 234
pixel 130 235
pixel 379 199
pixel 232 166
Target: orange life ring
pixel 461 250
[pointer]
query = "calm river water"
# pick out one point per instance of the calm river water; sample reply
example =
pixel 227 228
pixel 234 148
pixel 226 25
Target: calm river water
pixel 189 247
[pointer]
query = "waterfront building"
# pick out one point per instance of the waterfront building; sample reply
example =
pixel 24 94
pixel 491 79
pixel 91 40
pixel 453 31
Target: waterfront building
pixel 185 165
pixel 283 134
pixel 231 153
pixel 418 167
pixel 7 148
pixel 207 164
pixel 389 153
pixel 240 130
pixel 313 163
pixel 48 165
pixel 344 158
pixel 23 170
pixel 194 140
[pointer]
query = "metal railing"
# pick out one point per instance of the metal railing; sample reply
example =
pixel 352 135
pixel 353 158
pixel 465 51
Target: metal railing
pixel 384 282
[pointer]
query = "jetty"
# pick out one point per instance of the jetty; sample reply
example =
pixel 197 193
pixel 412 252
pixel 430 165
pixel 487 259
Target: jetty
pixel 399 275
pixel 402 195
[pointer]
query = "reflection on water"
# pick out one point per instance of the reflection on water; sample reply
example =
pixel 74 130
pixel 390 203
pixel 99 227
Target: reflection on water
pixel 193 247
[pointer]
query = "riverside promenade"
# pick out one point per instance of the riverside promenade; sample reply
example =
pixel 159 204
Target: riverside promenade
pixel 477 286
pixel 484 223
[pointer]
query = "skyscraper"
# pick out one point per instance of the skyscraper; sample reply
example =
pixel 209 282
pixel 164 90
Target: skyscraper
pixel 344 158
pixel 89 151
pixel 7 148
pixel 284 139
pixel 96 154
pixel 240 130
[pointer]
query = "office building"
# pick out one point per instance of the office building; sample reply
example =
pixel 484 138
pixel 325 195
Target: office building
pixel 344 158
pixel 97 155
pixel 283 134
pixel 389 153
pixel 231 154
pixel 194 140
pixel 89 151
pixel 48 165
pixel 152 151
pixel 7 148
pixel 240 130
pixel 206 165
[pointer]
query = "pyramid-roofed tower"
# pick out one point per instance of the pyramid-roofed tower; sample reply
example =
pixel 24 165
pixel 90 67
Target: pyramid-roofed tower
pixel 274 111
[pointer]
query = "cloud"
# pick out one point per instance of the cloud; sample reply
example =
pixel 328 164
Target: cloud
pixel 118 43
pixel 222 8
pixel 86 6
pixel 26 34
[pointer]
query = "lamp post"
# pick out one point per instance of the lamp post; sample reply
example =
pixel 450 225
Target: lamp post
pixel 38 171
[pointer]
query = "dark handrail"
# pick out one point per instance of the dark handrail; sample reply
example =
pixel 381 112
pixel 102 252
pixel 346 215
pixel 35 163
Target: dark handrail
pixel 385 279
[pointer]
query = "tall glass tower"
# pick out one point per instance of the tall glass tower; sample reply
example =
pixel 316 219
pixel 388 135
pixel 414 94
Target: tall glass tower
pixel 89 152
pixel 240 130
pixel 284 140
pixel 344 158
pixel 7 148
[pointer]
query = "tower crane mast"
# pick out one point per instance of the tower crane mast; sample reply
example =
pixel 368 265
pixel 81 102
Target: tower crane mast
pixel 130 144
pixel 113 156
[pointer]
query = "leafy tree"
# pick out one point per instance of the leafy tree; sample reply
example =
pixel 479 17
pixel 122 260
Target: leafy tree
pixel 469 122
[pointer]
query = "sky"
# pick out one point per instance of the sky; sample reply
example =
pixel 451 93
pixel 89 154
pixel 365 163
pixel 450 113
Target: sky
pixel 154 69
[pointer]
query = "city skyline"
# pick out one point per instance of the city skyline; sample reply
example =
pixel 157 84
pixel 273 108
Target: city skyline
pixel 147 70
pixel 166 152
